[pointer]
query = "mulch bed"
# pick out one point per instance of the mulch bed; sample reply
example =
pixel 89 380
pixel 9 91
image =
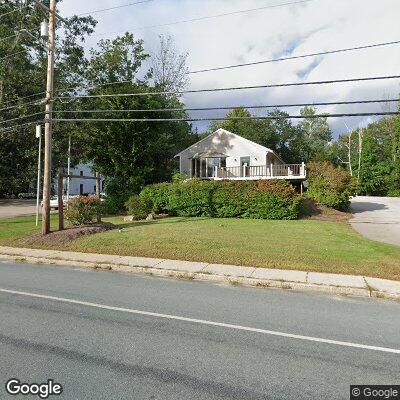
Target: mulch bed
pixel 323 213
pixel 68 234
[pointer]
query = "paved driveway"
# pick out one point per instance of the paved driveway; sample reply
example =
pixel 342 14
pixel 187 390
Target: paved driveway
pixel 17 207
pixel 377 218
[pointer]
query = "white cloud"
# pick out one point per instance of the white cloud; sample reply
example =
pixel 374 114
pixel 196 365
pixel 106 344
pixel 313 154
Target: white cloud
pixel 304 28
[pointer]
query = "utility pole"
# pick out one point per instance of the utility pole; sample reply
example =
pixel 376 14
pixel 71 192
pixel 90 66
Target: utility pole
pixel 48 120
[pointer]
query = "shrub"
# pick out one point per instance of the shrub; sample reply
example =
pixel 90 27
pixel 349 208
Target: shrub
pixel 138 207
pixel 159 195
pixel 111 206
pixel 229 199
pixel 246 199
pixel 192 198
pixel 83 210
pixel 329 185
pixel 272 200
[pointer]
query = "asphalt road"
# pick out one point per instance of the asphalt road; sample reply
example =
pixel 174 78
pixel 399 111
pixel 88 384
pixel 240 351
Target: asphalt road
pixel 10 208
pixel 115 352
pixel 377 218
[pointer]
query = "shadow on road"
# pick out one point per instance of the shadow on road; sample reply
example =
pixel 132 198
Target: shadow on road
pixel 361 207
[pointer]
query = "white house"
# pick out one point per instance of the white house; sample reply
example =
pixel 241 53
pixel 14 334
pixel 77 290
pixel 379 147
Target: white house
pixel 226 155
pixel 82 186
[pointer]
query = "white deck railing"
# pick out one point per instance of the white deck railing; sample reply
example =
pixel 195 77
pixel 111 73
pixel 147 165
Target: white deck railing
pixel 283 171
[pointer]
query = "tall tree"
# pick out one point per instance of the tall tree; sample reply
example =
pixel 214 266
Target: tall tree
pixel 169 68
pixel 130 154
pixel 317 135
pixel 23 64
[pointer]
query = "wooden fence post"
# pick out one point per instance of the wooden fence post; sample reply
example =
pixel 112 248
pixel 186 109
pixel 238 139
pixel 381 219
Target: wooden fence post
pixel 60 190
pixel 98 194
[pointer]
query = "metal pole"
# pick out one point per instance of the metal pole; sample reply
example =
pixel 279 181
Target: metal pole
pixel 48 121
pixel 68 167
pixel 39 136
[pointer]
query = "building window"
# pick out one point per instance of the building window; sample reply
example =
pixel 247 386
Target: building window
pixel 215 162
pixel 81 173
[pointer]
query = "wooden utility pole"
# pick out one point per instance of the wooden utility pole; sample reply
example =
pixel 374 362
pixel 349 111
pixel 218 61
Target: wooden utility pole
pixel 48 120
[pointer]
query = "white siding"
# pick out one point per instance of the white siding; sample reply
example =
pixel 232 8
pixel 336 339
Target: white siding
pixel 233 146
pixel 88 184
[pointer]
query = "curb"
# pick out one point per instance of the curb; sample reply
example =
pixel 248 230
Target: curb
pixel 350 285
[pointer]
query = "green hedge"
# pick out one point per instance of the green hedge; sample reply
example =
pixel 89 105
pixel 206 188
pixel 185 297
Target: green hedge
pixel 242 199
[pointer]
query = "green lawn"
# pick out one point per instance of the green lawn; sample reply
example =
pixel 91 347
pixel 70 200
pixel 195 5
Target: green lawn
pixel 305 244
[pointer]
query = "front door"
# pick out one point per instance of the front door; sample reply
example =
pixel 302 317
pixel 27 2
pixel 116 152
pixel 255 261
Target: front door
pixel 244 166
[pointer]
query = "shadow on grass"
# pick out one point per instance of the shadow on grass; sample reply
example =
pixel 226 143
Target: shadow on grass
pixel 169 220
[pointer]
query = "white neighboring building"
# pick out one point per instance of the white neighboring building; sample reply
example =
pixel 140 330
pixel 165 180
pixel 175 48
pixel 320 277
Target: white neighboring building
pixel 83 186
pixel 225 155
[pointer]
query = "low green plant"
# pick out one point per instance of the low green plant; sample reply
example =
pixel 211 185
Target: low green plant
pixel 82 210
pixel 139 207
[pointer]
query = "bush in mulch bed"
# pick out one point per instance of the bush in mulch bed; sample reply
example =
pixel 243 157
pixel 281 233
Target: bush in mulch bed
pixel 82 210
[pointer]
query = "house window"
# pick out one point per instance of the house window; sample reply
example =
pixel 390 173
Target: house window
pixel 244 166
pixel 215 162
pixel 81 173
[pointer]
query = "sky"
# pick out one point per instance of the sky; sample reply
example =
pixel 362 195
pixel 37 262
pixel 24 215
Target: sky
pixel 286 30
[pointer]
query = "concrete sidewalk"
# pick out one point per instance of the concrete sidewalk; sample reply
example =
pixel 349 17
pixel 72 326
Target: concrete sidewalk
pixel 233 274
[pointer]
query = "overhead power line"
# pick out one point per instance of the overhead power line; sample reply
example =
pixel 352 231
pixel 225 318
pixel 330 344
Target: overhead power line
pixel 226 107
pixel 223 118
pixel 228 88
pixel 11 128
pixel 22 117
pixel 12 55
pixel 320 53
pixel 113 8
pixel 97 111
pixel 2 39
pixel 210 16
pixel 9 12
pixel 36 103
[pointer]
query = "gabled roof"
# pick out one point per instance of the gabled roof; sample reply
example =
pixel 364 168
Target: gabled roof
pixel 220 130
